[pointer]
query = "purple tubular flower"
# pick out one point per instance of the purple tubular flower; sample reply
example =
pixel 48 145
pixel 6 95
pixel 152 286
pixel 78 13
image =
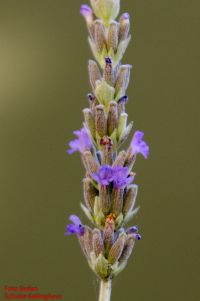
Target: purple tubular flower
pixel 121 177
pixel 104 176
pixel 75 228
pixel 82 143
pixel 125 16
pixel 138 145
pixel 133 229
pixel 134 232
pixel 86 12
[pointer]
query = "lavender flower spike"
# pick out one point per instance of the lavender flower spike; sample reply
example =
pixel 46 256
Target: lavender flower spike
pixel 75 228
pixel 121 177
pixel 105 175
pixel 82 143
pixel 138 145
pixel 109 195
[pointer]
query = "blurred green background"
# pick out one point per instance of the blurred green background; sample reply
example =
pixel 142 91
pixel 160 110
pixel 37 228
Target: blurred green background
pixel 43 83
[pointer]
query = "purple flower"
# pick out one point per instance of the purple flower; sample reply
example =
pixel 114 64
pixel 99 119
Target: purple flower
pixel 121 177
pixel 75 228
pixel 134 232
pixel 138 145
pixel 104 176
pixel 82 143
pixel 125 16
pixel 86 12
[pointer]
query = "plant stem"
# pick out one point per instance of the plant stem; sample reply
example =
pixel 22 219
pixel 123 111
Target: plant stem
pixel 105 290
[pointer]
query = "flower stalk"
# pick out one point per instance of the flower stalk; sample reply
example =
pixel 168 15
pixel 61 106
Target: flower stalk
pixel 109 188
pixel 105 290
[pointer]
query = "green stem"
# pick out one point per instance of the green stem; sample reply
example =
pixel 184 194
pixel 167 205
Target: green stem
pixel 105 290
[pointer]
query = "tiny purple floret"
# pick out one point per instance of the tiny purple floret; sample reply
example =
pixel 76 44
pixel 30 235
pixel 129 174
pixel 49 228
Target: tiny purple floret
pixel 138 145
pixel 82 143
pixel 123 99
pixel 121 177
pixel 86 12
pixel 104 176
pixel 125 16
pixel 75 228
pixel 133 229
pixel 108 60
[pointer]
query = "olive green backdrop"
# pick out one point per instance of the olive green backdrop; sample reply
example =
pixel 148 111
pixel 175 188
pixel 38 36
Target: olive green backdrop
pixel 43 83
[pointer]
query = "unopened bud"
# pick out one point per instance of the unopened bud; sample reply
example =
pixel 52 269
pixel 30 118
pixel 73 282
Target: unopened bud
pixel 126 133
pixel 106 148
pixel 130 159
pixel 86 242
pixel 127 249
pixel 112 117
pixel 108 71
pixel 97 240
pixel 94 73
pixel 89 120
pixel 120 160
pixel 122 79
pixel 87 13
pixel 89 192
pixel 124 26
pixel 130 198
pixel 100 120
pixel 117 249
pixel 122 104
pixel 108 232
pixel 112 40
pixel 122 124
pixel 99 34
pixel 117 201
pixel 104 199
pixel 90 163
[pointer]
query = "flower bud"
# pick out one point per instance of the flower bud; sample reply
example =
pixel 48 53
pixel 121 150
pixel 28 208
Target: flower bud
pixel 117 201
pixel 120 160
pixel 127 249
pixel 122 104
pixel 97 240
pixel 104 199
pixel 100 120
pixel 106 9
pixel 94 73
pixel 99 34
pixel 108 232
pixel 86 242
pixel 89 120
pixel 87 13
pixel 112 117
pixel 121 49
pixel 90 163
pixel 125 133
pixel 112 40
pixel 107 153
pixel 117 249
pixel 121 125
pixel 108 71
pixel 124 26
pixel 89 192
pixel 130 198
pixel 122 80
